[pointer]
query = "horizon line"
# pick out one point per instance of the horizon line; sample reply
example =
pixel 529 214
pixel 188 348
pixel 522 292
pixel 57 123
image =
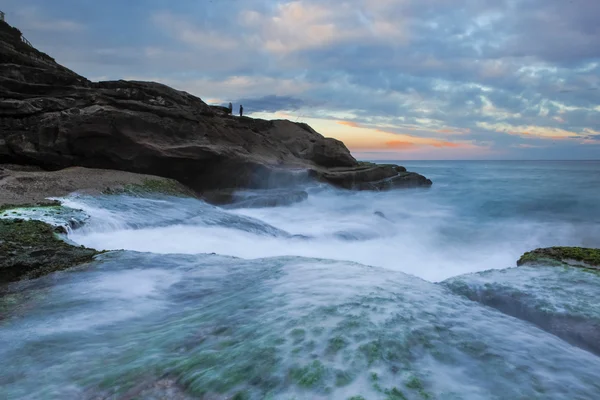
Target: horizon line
pixel 440 159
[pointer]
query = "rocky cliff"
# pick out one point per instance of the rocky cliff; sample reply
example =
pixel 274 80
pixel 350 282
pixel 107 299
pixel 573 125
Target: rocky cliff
pixel 54 118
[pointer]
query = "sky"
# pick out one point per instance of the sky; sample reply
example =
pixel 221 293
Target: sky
pixel 393 79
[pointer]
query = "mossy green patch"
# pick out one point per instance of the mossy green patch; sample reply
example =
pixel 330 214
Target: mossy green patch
pixel 318 331
pixel 298 335
pixel 335 344
pixel 372 351
pixel 241 396
pixel 343 378
pixel 310 375
pixel 7 209
pixel 589 256
pixel 29 249
pixel 157 186
pixel 414 383
pixel 224 371
pixel 222 330
pixel 394 394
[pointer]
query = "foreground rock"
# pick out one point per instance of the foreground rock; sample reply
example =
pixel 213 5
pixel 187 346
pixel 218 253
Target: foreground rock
pixel 29 249
pixel 53 118
pixel 162 326
pixel 572 256
pixel 562 301
pixel 26 185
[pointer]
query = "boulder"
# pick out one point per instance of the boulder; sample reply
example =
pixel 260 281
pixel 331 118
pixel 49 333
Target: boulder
pixel 572 256
pixel 53 118
pixel 29 249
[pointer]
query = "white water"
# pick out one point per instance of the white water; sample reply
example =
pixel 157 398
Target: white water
pixel 178 324
pixel 278 328
pixel 415 235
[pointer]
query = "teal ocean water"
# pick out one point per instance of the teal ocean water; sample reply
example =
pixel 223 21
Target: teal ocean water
pixel 335 297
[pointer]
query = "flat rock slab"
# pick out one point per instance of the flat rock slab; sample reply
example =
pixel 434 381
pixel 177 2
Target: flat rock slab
pixel 30 249
pixel 218 327
pixel 560 300
pixel 22 185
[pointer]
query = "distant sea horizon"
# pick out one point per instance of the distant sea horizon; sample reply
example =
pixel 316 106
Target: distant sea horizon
pixel 477 160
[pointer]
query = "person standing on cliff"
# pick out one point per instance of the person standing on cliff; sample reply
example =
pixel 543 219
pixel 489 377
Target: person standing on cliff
pixel 230 108
pixel 241 110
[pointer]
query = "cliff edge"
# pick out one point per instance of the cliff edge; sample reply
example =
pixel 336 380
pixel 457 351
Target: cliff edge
pixel 53 118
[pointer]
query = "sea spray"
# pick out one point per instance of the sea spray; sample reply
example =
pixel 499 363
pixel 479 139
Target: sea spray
pixel 176 321
pixel 284 327
pixel 413 232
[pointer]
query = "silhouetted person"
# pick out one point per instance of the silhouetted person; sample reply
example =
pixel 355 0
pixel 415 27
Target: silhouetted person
pixel 241 110
pixel 230 108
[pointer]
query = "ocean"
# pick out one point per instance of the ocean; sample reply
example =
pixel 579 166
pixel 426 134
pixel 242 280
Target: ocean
pixel 335 297
pixel 478 215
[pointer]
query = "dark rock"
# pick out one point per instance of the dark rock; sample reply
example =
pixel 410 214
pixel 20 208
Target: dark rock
pixel 53 118
pixel 75 223
pixel 561 301
pixel 60 230
pixel 267 198
pixel 29 249
pixel 372 177
pixel 301 237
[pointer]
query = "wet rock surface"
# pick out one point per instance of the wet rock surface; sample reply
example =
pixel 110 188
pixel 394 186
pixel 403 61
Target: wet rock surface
pixel 29 249
pixel 559 300
pixel 573 256
pixel 29 185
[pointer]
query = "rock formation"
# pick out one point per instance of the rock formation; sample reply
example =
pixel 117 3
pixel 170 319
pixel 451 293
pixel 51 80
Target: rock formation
pixel 26 185
pixel 31 249
pixel 54 118
pixel 573 256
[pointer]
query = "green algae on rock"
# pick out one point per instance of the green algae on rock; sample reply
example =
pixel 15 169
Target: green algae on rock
pixel 29 249
pixel 164 186
pixel 7 209
pixel 50 212
pixel 573 256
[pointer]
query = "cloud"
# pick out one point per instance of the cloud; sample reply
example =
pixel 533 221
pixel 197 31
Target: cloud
pixel 489 77
pixel 529 146
pixel 272 103
pixel 454 131
pixel 349 123
pixel 33 19
pixel 445 144
pixel 307 25
pixel 193 35
pixel 251 90
pixel 400 145
pixel 537 131
pixel 417 141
